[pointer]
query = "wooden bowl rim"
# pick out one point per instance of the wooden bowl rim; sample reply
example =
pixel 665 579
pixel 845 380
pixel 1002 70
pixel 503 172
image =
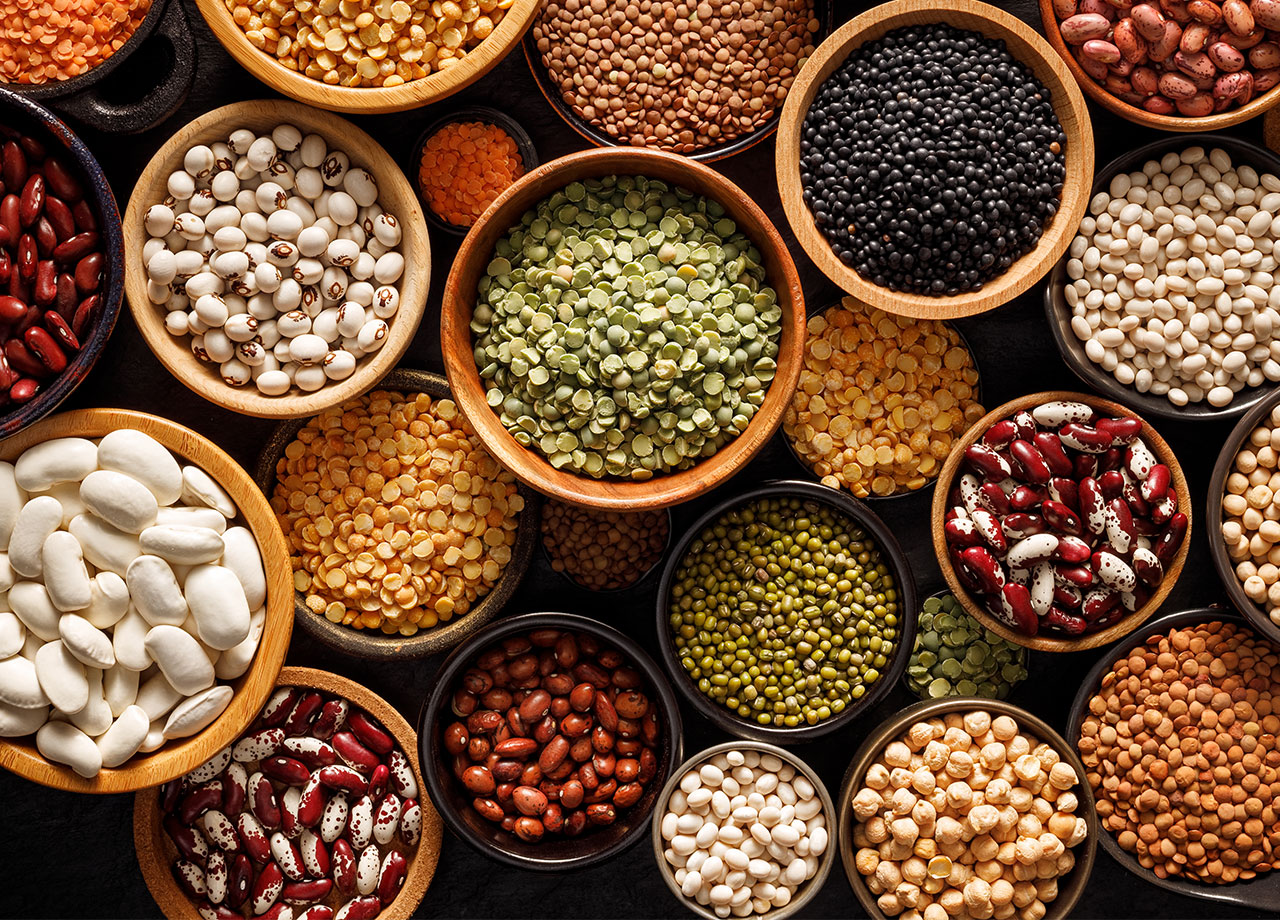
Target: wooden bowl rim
pixel 252 688
pixel 379 646
pixel 1042 642
pixel 370 100
pixel 1069 105
pixel 154 850
pixel 611 493
pixel 174 352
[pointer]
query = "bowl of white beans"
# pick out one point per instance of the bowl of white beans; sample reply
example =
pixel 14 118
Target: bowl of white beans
pixel 1166 299
pixel 276 259
pixel 744 829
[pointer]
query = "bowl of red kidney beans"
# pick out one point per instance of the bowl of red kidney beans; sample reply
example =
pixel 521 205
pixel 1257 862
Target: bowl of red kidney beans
pixel 61 261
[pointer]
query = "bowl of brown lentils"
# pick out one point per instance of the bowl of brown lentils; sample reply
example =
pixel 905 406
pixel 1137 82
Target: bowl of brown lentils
pixel 604 550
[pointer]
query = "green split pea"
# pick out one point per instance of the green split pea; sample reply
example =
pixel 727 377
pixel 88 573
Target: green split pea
pixel 955 655
pixel 624 328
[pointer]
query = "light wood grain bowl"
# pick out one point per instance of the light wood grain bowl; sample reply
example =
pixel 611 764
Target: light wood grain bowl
pixel 1025 45
pixel 370 100
pixel 460 298
pixel 395 195
pixel 375 644
pixel 180 756
pixel 156 851
pixel 1044 642
pixel 1140 116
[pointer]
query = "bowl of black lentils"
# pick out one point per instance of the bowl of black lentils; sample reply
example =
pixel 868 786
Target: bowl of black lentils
pixel 934 159
pixel 786 611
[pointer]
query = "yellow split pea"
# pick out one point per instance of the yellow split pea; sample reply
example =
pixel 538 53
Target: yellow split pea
pixel 397 517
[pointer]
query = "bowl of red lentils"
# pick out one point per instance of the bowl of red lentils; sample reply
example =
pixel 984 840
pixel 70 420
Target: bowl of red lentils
pixel 405 535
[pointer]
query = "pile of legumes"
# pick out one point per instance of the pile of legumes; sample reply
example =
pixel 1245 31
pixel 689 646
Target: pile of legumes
pixel 744 831
pixel 1065 520
pixel 1172 60
pixel 902 169
pixel 397 517
pixel 52 266
pixel 955 656
pixel 133 594
pixel 784 612
pixel 1170 278
pixel 557 734
pixel 380 43
pixel 1251 516
pixel 967 816
pixel 49 42
pixel 1179 745
pixel 881 399
pixel 625 328
pixel 315 804
pixel 464 167
pixel 675 76
pixel 603 550
pixel 272 253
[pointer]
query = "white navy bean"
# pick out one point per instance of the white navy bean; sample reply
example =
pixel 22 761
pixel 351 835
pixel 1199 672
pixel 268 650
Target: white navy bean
pixel 38 518
pixel 120 687
pixel 16 722
pixel 155 592
pixel 30 601
pixel 218 605
pixel 103 545
pixel 62 677
pixel 65 575
pixel 196 713
pixel 57 460
pixel 90 645
pixel 180 658
pixel 128 642
pixel 142 457
pixel 64 743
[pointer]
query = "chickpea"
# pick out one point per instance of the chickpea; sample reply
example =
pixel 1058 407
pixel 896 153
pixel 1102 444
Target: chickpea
pixel 889 904
pixel 1033 911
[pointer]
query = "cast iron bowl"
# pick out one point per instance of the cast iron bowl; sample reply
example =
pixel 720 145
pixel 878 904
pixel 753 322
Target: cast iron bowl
pixel 375 645
pixel 1261 893
pixel 1059 314
pixel 553 854
pixel 1070 888
pixel 809 890
pixel 18 112
pixel 891 553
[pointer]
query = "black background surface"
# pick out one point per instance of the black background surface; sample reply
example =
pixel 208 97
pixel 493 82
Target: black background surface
pixel 65 855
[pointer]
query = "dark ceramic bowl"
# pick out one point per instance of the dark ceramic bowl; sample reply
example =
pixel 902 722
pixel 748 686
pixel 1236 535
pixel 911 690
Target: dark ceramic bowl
pixel 892 555
pixel 1059 314
pixel 1261 893
pixel 824 12
pixel 376 645
pixel 604 592
pixel 22 114
pixel 524 143
pixel 552 854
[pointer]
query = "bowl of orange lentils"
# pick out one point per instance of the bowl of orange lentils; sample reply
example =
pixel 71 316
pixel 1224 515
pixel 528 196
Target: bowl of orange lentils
pixel 466 160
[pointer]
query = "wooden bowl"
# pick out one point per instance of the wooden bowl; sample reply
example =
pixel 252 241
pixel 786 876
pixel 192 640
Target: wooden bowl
pixel 394 193
pixel 1043 642
pixel 369 100
pixel 1025 45
pixel 460 297
pixel 1138 115
pixel 156 851
pixel 808 891
pixel 252 689
pixel 1059 313
pixel 375 644
pixel 1070 888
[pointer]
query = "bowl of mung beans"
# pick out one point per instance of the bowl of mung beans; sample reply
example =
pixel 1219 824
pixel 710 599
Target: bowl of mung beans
pixel 786 611
pixel 1197 692
pixel 405 535
pixel 623 328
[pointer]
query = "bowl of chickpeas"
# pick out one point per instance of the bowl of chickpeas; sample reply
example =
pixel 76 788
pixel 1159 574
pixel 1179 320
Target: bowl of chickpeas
pixel 966 808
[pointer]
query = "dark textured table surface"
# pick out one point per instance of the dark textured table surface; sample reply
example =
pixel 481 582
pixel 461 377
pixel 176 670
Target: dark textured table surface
pixel 64 855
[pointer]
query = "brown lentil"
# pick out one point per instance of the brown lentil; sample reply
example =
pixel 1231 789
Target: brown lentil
pixel 396 515
pixel 1180 747
pixel 603 550
pixel 1251 516
pixel 675 76
pixel 881 399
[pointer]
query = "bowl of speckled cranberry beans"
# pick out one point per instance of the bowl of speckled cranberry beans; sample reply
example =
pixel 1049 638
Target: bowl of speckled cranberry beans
pixel 546 740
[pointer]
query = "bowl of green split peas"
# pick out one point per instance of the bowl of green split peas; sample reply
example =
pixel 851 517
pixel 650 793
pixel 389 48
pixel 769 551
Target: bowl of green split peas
pixel 955 655
pixel 785 611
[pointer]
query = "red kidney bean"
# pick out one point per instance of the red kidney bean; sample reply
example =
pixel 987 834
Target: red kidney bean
pixel 41 344
pixel 88 273
pixel 31 200
pixel 83 213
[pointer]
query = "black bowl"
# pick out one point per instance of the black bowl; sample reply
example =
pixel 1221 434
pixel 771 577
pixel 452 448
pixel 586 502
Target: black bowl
pixel 553 854
pixel 18 112
pixel 1261 893
pixel 1059 314
pixel 908 611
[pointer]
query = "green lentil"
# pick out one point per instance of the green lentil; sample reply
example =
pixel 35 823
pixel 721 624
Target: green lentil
pixel 625 329
pixel 784 612
pixel 955 655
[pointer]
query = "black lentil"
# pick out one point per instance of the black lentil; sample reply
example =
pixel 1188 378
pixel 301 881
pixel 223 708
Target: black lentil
pixel 932 160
